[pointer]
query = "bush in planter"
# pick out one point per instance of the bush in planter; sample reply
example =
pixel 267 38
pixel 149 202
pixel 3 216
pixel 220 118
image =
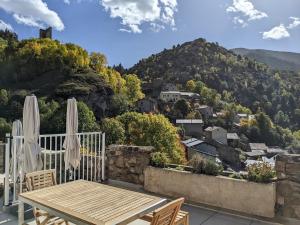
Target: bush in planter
pixel 211 168
pixel 239 176
pixel 205 166
pixel 197 162
pixel 260 172
pixel 159 159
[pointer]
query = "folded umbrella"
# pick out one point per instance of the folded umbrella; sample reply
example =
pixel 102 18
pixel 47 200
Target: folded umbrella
pixel 72 142
pixel 16 159
pixel 32 160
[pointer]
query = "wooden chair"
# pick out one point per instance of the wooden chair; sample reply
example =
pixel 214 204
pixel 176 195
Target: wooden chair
pixel 38 180
pixel 170 214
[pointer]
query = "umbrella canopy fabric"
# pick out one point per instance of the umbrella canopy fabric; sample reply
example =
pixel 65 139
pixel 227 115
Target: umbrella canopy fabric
pixel 72 142
pixel 17 133
pixel 31 129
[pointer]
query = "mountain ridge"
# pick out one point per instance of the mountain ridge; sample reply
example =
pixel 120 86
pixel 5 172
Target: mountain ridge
pixel 282 60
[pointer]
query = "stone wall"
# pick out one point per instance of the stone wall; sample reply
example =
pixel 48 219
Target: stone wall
pixel 288 185
pixel 127 163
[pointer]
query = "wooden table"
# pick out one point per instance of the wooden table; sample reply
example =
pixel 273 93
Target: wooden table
pixel 85 202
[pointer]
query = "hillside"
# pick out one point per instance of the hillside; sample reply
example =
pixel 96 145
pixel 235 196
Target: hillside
pixel 251 83
pixel 275 59
pixel 50 70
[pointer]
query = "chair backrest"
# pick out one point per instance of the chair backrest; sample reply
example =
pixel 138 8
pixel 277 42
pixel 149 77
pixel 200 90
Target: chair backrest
pixel 40 179
pixel 166 215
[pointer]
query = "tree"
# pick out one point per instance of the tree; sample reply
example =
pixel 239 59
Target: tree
pixel 47 111
pixel 297 116
pixel 264 122
pixel 119 105
pixel 229 117
pixel 134 89
pixel 57 122
pixel 86 118
pixel 183 107
pixel 199 85
pixel 98 61
pixel 8 35
pixel 282 119
pixel 153 130
pixel 114 129
pixel 120 68
pixel 3 97
pixel 190 85
pixel 5 128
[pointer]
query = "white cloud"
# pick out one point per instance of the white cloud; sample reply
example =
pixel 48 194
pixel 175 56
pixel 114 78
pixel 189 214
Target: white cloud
pixel 68 2
pixel 238 21
pixel 157 27
pixel 29 21
pixel 134 13
pixel 295 23
pixel 5 26
pixel 247 9
pixel 32 13
pixel 276 33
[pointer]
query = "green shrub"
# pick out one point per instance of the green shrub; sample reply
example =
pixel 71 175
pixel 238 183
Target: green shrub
pixel 159 159
pixel 260 172
pixel 211 168
pixel 197 162
pixel 238 176
pixel 205 166
pixel 179 168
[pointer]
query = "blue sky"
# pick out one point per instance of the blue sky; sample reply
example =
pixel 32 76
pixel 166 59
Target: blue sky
pixel 128 30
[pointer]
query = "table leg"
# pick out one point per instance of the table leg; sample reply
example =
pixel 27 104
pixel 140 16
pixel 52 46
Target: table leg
pixel 21 213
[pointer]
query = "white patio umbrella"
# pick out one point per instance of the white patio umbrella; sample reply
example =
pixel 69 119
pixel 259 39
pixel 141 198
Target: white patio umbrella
pixel 32 160
pixel 15 161
pixel 72 142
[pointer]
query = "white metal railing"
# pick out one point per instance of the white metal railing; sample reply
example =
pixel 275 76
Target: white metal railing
pixel 92 163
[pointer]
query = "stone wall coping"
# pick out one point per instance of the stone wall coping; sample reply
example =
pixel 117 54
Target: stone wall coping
pixel 217 177
pixel 147 149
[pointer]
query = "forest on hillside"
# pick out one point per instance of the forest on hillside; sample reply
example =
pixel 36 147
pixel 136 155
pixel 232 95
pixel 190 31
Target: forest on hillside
pixel 245 81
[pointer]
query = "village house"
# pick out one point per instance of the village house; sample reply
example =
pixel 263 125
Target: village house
pixel 239 116
pixel 199 147
pixel 258 147
pixel 169 87
pixel 274 151
pixel 233 140
pixel 206 111
pixel 191 127
pixel 147 105
pixel 218 134
pixel 243 116
pixel 174 96
pixel 255 154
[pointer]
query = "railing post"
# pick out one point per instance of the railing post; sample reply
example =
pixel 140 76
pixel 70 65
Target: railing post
pixel 103 157
pixel 6 180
